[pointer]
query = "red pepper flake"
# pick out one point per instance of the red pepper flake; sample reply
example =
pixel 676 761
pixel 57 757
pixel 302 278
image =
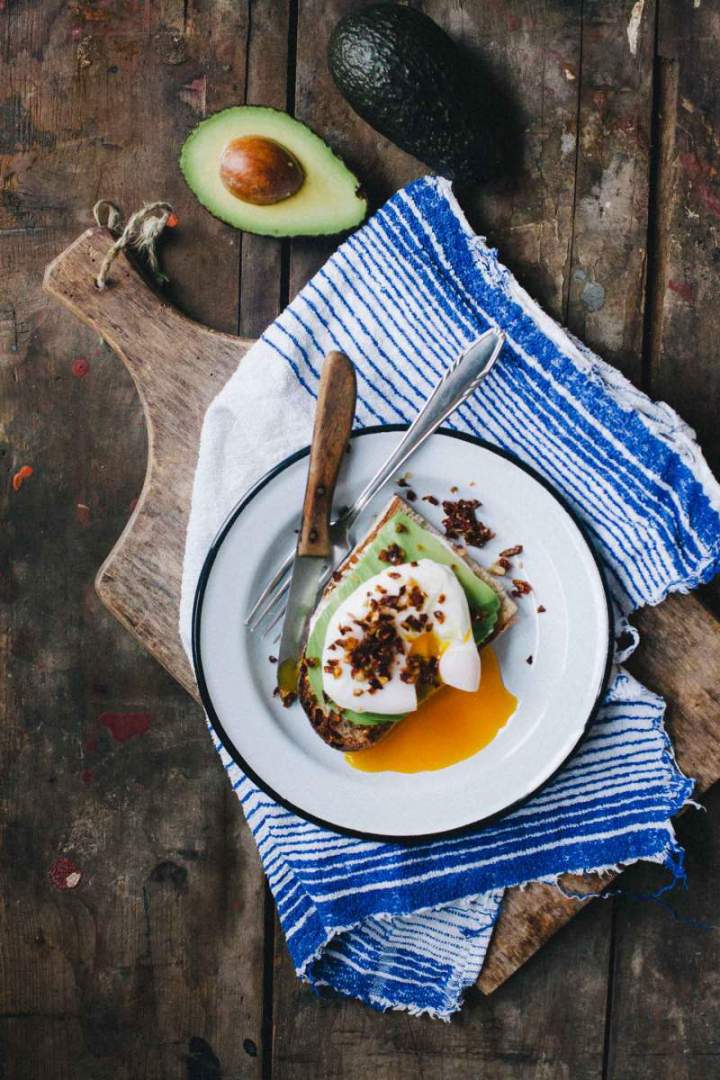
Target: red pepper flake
pixel 508 553
pixel 124 726
pixel 541 609
pixel 173 221
pixel 392 554
pixel 411 496
pixel 21 476
pixel 80 367
pixel 431 499
pixel 454 489
pixel 461 521
pixel 82 514
pixel 64 874
pixel 402 482
pixel 522 588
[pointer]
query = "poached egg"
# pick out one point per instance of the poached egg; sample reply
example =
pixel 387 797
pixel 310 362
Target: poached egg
pixel 410 618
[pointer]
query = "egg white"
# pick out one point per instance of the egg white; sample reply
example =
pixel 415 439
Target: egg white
pixel 458 657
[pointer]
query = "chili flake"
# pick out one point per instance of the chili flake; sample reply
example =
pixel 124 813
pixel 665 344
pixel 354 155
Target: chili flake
pixel 461 521
pixel 392 554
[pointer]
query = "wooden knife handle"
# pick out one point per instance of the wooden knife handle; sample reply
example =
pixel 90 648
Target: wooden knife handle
pixel 333 422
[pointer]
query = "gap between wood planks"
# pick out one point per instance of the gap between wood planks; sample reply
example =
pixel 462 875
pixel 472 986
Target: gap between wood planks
pixel 270 918
pixel 662 142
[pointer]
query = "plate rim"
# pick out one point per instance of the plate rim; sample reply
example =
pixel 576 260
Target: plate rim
pixel 229 746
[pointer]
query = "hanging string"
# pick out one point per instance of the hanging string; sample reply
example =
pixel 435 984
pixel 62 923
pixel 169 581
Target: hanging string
pixel 141 232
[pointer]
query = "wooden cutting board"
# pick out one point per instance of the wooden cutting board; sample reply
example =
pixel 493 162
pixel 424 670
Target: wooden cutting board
pixel 178 367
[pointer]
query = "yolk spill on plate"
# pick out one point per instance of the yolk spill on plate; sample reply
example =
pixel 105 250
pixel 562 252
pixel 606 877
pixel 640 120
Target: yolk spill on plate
pixel 450 726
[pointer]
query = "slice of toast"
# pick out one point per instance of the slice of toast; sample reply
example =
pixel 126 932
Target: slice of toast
pixel 328 722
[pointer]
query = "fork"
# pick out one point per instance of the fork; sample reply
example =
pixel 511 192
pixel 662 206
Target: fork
pixel 460 380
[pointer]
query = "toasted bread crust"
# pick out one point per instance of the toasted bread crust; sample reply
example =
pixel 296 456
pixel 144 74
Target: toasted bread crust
pixel 332 727
pixel 329 724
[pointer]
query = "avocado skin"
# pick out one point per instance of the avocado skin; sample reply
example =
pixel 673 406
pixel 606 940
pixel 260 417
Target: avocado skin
pixel 403 75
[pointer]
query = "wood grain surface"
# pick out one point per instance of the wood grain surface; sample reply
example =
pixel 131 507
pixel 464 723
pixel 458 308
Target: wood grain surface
pixel 164 961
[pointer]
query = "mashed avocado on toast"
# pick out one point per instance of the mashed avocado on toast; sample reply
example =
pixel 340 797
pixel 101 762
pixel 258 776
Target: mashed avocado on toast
pixel 399 534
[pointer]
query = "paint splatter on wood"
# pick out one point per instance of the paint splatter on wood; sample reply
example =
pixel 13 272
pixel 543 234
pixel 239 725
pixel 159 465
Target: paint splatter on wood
pixel 684 290
pixel 633 26
pixel 80 367
pixel 125 725
pixel 23 474
pixel 64 874
pixel 194 94
pixel 82 514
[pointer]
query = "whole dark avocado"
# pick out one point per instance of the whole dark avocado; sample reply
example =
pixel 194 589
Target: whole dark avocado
pixel 411 82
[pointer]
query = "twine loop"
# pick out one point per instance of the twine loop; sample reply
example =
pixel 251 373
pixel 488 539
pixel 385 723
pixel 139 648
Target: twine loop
pixel 141 232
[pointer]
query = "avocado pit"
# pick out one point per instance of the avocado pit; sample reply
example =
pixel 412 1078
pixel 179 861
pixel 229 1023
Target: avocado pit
pixel 260 171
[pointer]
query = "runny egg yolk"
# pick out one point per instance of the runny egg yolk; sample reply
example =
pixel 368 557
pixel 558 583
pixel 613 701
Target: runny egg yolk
pixel 427 644
pixel 450 726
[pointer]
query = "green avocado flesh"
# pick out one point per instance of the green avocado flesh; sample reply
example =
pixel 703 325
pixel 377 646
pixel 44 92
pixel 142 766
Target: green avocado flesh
pixel 417 543
pixel 327 202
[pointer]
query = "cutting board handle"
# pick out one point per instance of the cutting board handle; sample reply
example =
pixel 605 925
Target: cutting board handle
pixel 178 367
pixel 152 338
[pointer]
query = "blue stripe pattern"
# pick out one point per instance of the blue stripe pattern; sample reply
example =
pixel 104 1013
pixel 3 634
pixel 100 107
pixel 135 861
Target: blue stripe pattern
pixel 408 926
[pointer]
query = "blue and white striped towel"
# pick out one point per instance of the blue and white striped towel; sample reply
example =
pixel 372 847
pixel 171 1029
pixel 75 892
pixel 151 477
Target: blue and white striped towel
pixel 407 927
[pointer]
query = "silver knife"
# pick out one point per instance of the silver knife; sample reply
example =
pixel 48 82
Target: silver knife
pixel 331 430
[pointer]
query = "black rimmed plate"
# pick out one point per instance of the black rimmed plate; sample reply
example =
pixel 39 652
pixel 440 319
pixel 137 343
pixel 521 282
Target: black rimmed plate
pixel 557 694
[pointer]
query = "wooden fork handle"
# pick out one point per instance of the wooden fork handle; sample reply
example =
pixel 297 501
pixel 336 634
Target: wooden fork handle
pixel 333 422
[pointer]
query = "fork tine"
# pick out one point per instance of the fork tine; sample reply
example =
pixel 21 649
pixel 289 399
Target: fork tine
pixel 271 626
pixel 271 602
pixel 255 616
pixel 283 607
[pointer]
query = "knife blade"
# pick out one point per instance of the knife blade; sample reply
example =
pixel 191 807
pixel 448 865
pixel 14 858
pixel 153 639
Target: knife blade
pixel 331 430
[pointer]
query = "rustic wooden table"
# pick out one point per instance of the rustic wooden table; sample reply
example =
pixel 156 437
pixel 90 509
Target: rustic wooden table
pixel 165 962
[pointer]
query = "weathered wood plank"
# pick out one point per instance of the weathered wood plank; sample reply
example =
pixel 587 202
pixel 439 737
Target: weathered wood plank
pixel 263 284
pixel 380 166
pixel 156 956
pixel 607 273
pixel 683 368
pixel 664 1002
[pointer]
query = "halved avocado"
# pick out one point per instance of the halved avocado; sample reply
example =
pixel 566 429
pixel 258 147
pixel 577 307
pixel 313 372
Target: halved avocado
pixel 263 171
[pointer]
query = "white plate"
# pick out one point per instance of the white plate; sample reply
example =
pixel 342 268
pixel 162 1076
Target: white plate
pixel 557 694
